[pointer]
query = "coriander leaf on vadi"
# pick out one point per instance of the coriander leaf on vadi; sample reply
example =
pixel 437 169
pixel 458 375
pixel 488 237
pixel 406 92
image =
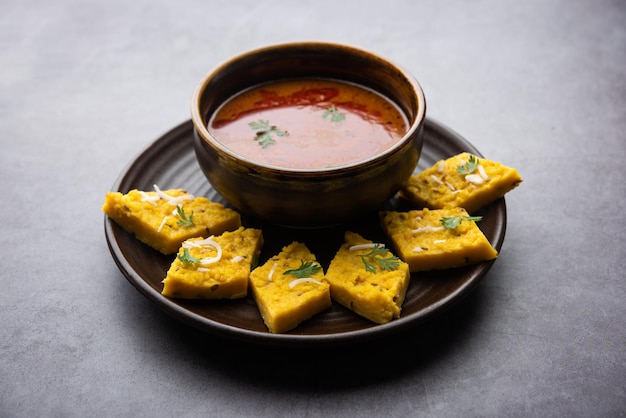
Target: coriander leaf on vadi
pixel 306 269
pixel 451 222
pixel 376 256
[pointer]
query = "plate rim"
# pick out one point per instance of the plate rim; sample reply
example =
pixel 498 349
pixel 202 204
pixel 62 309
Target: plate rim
pixel 265 338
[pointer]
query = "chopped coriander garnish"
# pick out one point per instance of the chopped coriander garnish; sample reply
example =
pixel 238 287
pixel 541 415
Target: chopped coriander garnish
pixel 469 166
pixel 184 219
pixel 187 258
pixel 452 222
pixel 306 269
pixel 335 115
pixel 264 132
pixel 375 256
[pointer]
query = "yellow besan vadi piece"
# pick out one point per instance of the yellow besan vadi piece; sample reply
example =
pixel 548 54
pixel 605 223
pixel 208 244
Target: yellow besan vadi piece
pixel 164 219
pixel 289 288
pixel 464 181
pixel 368 279
pixel 426 243
pixel 214 267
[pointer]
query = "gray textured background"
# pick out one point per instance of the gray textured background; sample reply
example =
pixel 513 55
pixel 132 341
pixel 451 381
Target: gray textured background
pixel 538 85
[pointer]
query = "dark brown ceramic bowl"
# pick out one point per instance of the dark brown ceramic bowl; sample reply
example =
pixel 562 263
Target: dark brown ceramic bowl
pixel 307 198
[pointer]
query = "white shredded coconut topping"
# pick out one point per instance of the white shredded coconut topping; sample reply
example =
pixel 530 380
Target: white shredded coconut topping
pixel 203 269
pixel 208 242
pixel 162 223
pixel 450 186
pixel 427 228
pixel 365 246
pixel 199 243
pixel 436 179
pixel 238 258
pixel 441 167
pixel 218 256
pixel 418 249
pixel 483 174
pixel 296 282
pixel 474 178
pixel 170 199
pixel 270 275
pixel 439 241
pixel 145 197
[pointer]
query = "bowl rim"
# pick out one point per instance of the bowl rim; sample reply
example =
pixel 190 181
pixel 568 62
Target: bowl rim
pixel 207 138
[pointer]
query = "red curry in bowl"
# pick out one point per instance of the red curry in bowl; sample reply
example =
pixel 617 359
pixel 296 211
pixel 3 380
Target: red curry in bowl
pixel 286 102
pixel 308 123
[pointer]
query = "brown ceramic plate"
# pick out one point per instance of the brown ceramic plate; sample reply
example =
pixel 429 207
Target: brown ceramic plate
pixel 170 162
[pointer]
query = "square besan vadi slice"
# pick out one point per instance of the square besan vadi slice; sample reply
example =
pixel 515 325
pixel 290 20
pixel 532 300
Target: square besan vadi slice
pixel 463 181
pixel 164 219
pixel 214 267
pixel 437 239
pixel 368 279
pixel 289 288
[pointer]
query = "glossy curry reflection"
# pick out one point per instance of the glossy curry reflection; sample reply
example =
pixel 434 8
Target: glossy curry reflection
pixel 308 123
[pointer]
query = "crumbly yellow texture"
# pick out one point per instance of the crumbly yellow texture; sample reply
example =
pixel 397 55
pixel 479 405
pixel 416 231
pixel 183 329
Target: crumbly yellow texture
pixel 377 296
pixel 442 186
pixel 154 221
pixel 283 307
pixel 226 278
pixel 425 244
